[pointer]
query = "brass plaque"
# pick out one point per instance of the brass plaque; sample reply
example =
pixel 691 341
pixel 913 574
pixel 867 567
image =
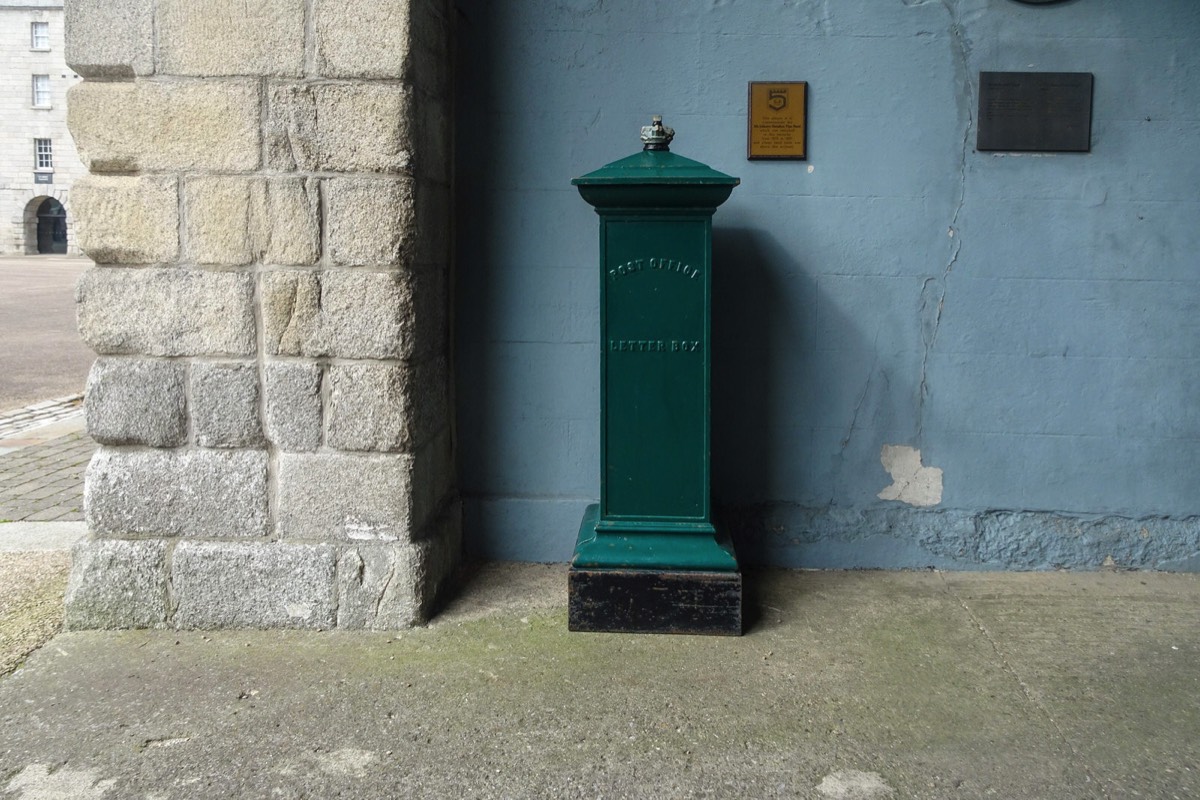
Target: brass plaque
pixel 777 121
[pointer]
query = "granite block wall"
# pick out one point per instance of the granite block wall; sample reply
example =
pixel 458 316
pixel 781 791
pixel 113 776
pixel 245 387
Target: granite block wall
pixel 269 208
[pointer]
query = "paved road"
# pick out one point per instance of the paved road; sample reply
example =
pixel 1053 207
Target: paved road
pixel 41 357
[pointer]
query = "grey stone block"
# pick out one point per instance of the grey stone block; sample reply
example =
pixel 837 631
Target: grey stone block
pixel 292 313
pixel 265 585
pixel 446 561
pixel 433 141
pixel 117 584
pixel 346 497
pixel 386 407
pixel 291 129
pixel 338 127
pixel 370 406
pixel 358 239
pixel 368 314
pixel 151 126
pixel 430 325
pixel 293 394
pixel 388 586
pixel 362 40
pixel 434 477
pixel 225 405
pixel 203 493
pixel 231 37
pixel 127 220
pixel 432 225
pixel 380 587
pixel 218 211
pixel 110 38
pixel 290 231
pixel 429 61
pixel 444 550
pixel 136 401
pixel 353 313
pixel 238 220
pixel 166 312
pixel 447 538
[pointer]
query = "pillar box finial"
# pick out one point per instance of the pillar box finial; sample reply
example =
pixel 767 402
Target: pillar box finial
pixel 657 136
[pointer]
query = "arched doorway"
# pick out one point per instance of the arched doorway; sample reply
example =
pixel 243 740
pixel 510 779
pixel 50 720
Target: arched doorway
pixel 51 227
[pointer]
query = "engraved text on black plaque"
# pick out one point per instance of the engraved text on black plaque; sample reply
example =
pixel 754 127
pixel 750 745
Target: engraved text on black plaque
pixel 1035 111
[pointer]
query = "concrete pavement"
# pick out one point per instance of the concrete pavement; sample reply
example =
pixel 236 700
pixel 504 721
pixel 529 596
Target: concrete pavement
pixel 849 685
pixel 32 581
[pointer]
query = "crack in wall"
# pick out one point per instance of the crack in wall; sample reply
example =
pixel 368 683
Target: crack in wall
pixel 862 398
pixel 845 443
pixel 929 333
pixel 825 21
pixel 387 584
pixel 291 328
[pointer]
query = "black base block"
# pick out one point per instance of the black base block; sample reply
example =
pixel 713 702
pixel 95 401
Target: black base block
pixel 654 601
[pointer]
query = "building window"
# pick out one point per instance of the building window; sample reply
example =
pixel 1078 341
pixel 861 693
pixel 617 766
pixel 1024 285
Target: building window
pixel 41 91
pixel 43 154
pixel 39 35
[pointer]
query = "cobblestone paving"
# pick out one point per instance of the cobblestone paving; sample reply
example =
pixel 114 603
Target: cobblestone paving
pixel 14 422
pixel 45 482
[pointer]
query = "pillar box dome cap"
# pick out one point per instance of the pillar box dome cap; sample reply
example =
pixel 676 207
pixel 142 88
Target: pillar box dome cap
pixel 669 179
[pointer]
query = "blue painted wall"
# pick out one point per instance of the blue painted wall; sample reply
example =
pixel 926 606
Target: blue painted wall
pixel 1029 323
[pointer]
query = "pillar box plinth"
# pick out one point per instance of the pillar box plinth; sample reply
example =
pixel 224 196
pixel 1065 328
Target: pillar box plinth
pixel 648 557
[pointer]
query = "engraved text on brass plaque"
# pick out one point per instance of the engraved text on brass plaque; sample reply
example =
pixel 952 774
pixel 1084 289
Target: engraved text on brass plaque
pixel 776 122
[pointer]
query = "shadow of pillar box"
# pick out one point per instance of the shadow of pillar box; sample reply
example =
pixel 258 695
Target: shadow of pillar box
pixel 648 558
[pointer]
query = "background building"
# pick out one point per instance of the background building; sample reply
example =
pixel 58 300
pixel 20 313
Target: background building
pixel 38 161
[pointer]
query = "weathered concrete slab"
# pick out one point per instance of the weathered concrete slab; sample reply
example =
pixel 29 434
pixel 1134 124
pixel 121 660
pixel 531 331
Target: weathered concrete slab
pixel 865 685
pixel 1113 658
pixel 31 591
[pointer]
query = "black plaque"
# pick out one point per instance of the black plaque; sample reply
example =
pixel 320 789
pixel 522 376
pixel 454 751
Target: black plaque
pixel 1048 112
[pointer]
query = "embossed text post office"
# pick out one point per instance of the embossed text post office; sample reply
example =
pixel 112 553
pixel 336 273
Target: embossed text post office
pixel 648 558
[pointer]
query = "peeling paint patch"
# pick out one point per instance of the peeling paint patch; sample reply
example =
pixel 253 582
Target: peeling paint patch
pixel 852 784
pixel 37 782
pixel 911 483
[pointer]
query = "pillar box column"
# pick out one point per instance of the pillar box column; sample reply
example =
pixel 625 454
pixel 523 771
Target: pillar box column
pixel 648 557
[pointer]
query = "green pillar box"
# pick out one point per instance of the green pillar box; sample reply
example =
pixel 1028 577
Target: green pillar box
pixel 648 558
